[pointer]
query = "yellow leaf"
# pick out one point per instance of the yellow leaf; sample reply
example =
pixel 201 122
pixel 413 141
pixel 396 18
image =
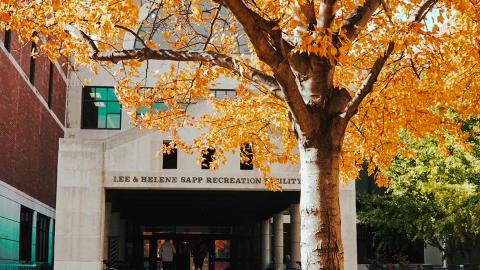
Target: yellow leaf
pixel 55 4
pixel 151 44
pixel 4 16
pixel 333 50
pixel 440 18
pixel 167 34
pixel 196 10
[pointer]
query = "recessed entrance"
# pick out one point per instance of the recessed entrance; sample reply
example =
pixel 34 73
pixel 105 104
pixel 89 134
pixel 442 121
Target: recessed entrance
pixel 194 250
pixel 223 227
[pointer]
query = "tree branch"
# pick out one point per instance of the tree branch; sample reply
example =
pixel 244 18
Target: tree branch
pixel 308 9
pixel 423 9
pixel 221 60
pixel 91 43
pixel 326 13
pixel 132 32
pixel 211 27
pixel 296 106
pixel 271 49
pixel 358 18
pixel 367 85
pixel 255 27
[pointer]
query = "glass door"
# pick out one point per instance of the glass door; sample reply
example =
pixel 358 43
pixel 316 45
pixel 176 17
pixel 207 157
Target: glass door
pixel 200 253
pixel 151 253
pixel 222 259
pixel 146 253
pixel 182 257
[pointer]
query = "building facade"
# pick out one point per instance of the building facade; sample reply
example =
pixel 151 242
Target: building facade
pixel 119 199
pixel 32 119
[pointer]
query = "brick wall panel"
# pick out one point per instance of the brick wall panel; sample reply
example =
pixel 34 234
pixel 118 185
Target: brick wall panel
pixel 21 52
pixel 48 157
pixel 42 75
pixel 8 107
pixel 64 64
pixel 59 92
pixel 28 135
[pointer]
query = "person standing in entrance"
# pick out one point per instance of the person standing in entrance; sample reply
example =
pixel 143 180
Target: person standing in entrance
pixel 167 250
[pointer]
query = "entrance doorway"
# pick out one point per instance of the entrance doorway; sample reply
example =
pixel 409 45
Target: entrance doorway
pixel 226 223
pixel 193 251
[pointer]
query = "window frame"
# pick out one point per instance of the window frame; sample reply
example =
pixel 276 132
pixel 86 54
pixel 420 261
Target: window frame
pixel 25 246
pixel 173 153
pixel 7 42
pixel 82 113
pixel 42 236
pixel 225 91
pixel 207 159
pixel 31 76
pixel 247 166
pixel 50 85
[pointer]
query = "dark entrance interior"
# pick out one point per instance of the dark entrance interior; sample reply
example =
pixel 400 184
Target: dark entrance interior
pixel 224 223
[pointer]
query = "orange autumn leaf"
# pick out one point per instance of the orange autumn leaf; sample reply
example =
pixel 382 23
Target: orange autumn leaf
pixel 55 4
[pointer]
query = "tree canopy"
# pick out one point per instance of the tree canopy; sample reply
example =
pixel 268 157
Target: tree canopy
pixel 434 55
pixel 434 193
pixel 337 79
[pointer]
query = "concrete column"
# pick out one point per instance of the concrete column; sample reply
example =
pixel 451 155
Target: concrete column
pixel 295 235
pixel 278 240
pixel 80 205
pixel 266 251
pixel 349 224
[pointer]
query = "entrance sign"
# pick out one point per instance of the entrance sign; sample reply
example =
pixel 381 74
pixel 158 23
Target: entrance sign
pixel 181 181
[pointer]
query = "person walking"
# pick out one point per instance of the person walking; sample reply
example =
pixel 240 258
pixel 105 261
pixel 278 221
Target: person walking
pixel 167 251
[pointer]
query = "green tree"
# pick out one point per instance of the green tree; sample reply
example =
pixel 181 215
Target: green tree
pixel 434 193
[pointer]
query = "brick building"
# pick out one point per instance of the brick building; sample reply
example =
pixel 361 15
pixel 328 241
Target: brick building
pixel 32 119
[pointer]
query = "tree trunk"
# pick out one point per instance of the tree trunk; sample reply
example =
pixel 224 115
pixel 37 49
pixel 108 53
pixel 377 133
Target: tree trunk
pixel 321 246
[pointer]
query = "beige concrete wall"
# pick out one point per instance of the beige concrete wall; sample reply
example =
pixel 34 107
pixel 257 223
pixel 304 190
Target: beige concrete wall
pixel 86 168
pixel 80 206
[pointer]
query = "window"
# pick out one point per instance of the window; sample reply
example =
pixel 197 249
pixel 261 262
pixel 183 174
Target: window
pixel 43 226
pixel 169 157
pixel 100 108
pixel 32 65
pixel 26 222
pixel 222 93
pixel 207 158
pixel 157 106
pixel 246 157
pixel 8 40
pixel 53 239
pixel 50 86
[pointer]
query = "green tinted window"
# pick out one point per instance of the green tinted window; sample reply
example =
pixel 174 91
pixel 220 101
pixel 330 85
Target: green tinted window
pixel 157 106
pixel 100 108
